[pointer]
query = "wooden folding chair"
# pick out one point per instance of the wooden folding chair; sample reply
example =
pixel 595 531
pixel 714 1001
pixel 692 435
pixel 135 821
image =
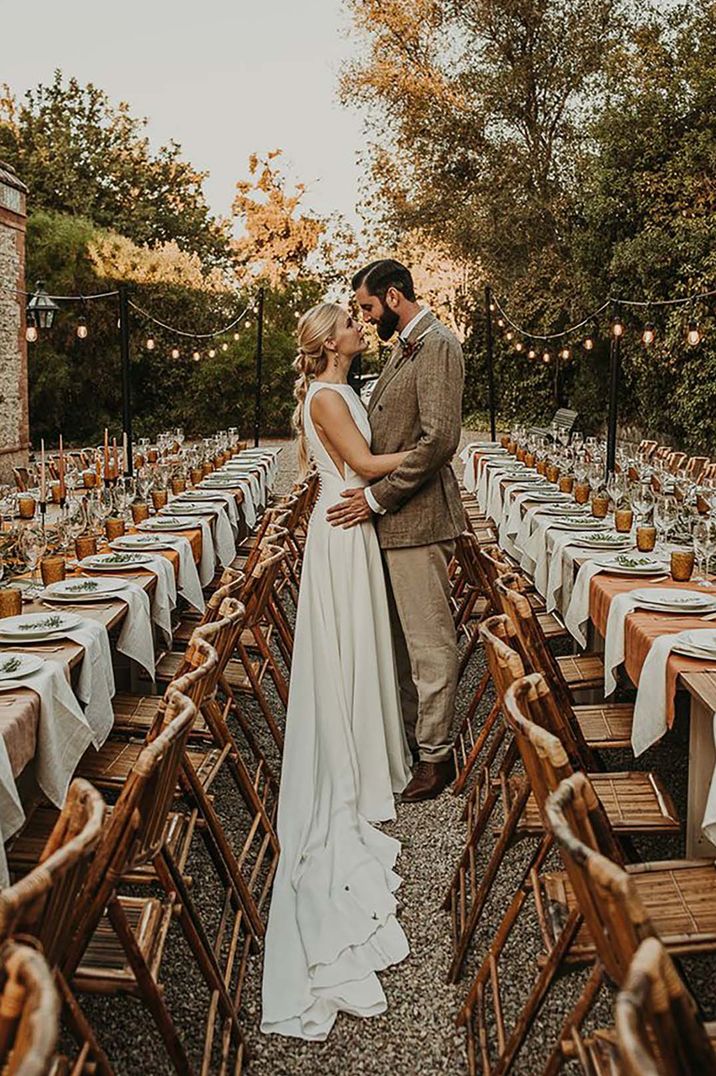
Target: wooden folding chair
pixel 534 718
pixel 637 802
pixel 29 1012
pixel 242 674
pixel 659 1029
pixel 621 903
pixel 120 941
pixel 44 904
pixel 603 725
pixel 110 767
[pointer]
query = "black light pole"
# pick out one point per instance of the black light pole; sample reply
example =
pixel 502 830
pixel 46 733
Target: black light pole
pixel 490 360
pixel 126 372
pixel 259 366
pixel 614 370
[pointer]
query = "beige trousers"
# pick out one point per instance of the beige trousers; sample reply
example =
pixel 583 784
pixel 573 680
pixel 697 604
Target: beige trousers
pixel 425 644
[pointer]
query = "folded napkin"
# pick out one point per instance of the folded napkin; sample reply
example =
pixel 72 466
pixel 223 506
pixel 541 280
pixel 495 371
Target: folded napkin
pixel 250 501
pixel 650 710
pixel 95 683
pixel 188 582
pixel 12 815
pixel 136 638
pixel 708 824
pixel 164 598
pixel 63 731
pixel 224 539
pixel 577 616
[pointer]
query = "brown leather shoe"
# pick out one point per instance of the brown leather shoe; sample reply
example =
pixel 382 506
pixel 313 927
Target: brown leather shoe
pixel 429 779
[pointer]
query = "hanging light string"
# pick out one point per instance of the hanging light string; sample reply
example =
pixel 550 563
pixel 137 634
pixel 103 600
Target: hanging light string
pixel 62 298
pixel 194 336
pixel 611 301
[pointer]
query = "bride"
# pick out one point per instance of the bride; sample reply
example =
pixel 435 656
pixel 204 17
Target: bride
pixel 332 923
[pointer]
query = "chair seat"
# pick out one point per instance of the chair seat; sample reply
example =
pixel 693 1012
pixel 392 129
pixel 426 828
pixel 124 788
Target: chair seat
pixel 606 725
pixel 134 715
pixel 551 627
pixel 110 766
pixel 104 967
pixel 582 672
pixel 634 802
pixel 23 852
pixel 679 897
pixel 236 677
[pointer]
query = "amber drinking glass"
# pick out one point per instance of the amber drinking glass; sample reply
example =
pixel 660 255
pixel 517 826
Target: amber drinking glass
pixel 159 498
pixel 52 570
pixel 85 546
pixel 140 512
pixel 682 565
pixel 645 538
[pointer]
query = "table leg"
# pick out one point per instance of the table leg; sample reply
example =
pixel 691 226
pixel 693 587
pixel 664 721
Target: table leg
pixel 702 759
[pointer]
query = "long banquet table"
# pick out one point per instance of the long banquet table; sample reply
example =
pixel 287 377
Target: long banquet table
pixel 517 518
pixel 20 706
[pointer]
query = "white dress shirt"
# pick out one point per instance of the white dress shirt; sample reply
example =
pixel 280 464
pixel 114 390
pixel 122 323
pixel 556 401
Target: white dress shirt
pixel 404 334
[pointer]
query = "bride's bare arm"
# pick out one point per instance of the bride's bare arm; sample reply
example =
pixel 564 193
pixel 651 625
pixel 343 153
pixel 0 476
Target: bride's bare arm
pixel 344 441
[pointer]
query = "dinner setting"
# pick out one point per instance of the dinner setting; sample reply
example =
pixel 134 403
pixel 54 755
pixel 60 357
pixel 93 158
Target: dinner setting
pixel 358 539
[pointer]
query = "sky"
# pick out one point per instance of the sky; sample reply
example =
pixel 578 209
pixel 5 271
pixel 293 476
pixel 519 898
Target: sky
pixel 225 78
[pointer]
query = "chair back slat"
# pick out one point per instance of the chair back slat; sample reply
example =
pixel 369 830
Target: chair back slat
pixel 607 897
pixel 44 902
pixel 497 634
pixel 29 1012
pixel 655 1008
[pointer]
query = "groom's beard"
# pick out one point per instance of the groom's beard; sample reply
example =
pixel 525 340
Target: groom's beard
pixel 387 324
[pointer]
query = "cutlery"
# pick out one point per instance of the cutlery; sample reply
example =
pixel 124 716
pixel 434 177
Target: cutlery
pixel 34 646
pixel 83 607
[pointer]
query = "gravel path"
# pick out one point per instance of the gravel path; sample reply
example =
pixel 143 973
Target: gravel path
pixel 417 1035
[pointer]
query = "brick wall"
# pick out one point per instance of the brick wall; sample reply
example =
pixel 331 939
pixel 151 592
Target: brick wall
pixel 14 419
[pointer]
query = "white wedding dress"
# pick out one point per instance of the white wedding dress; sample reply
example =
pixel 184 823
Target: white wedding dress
pixel 332 923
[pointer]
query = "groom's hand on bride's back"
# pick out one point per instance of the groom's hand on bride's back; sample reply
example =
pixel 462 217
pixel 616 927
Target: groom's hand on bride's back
pixel 352 510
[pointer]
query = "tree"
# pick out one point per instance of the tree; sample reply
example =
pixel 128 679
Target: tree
pixel 81 155
pixel 278 239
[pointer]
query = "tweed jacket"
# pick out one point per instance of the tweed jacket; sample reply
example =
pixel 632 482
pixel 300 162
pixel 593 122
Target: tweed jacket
pixel 417 405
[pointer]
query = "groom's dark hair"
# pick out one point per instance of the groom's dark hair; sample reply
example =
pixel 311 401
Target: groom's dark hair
pixel 381 275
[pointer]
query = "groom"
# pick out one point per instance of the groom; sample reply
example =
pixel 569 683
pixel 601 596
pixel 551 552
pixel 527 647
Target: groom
pixel 417 405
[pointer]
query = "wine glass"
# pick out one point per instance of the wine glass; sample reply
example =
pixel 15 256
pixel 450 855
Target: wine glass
pixel 666 514
pixel 643 499
pixel 33 544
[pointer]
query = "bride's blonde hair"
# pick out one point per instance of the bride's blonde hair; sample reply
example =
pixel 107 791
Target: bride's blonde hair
pixel 315 327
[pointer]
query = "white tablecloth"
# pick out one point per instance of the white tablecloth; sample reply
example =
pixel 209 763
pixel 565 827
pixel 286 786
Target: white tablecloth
pixel 95 681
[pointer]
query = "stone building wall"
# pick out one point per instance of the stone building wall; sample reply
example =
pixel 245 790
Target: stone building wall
pixel 14 418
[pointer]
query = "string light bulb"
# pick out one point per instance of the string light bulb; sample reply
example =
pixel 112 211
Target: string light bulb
pixel 175 352
pixel 589 342
pixel 31 330
pixel 501 322
pixel 248 324
pixel 617 327
pixel 82 329
pixel 236 336
pixel 224 346
pixel 648 335
pixel 196 356
pixel 532 354
pixel 509 335
pixel 693 336
pixel 150 343
pixel 565 354
pixel 546 357
pixel 519 346
pixel 493 308
pixel 212 353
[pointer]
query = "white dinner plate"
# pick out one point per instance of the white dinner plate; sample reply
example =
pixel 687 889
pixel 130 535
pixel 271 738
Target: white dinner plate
pixel 578 523
pixel 703 640
pixel 37 625
pixel 604 541
pixel 82 589
pixel 115 561
pixel 632 564
pixel 187 509
pixel 16 666
pixel 168 523
pixel 202 495
pixel 667 600
pixel 136 542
